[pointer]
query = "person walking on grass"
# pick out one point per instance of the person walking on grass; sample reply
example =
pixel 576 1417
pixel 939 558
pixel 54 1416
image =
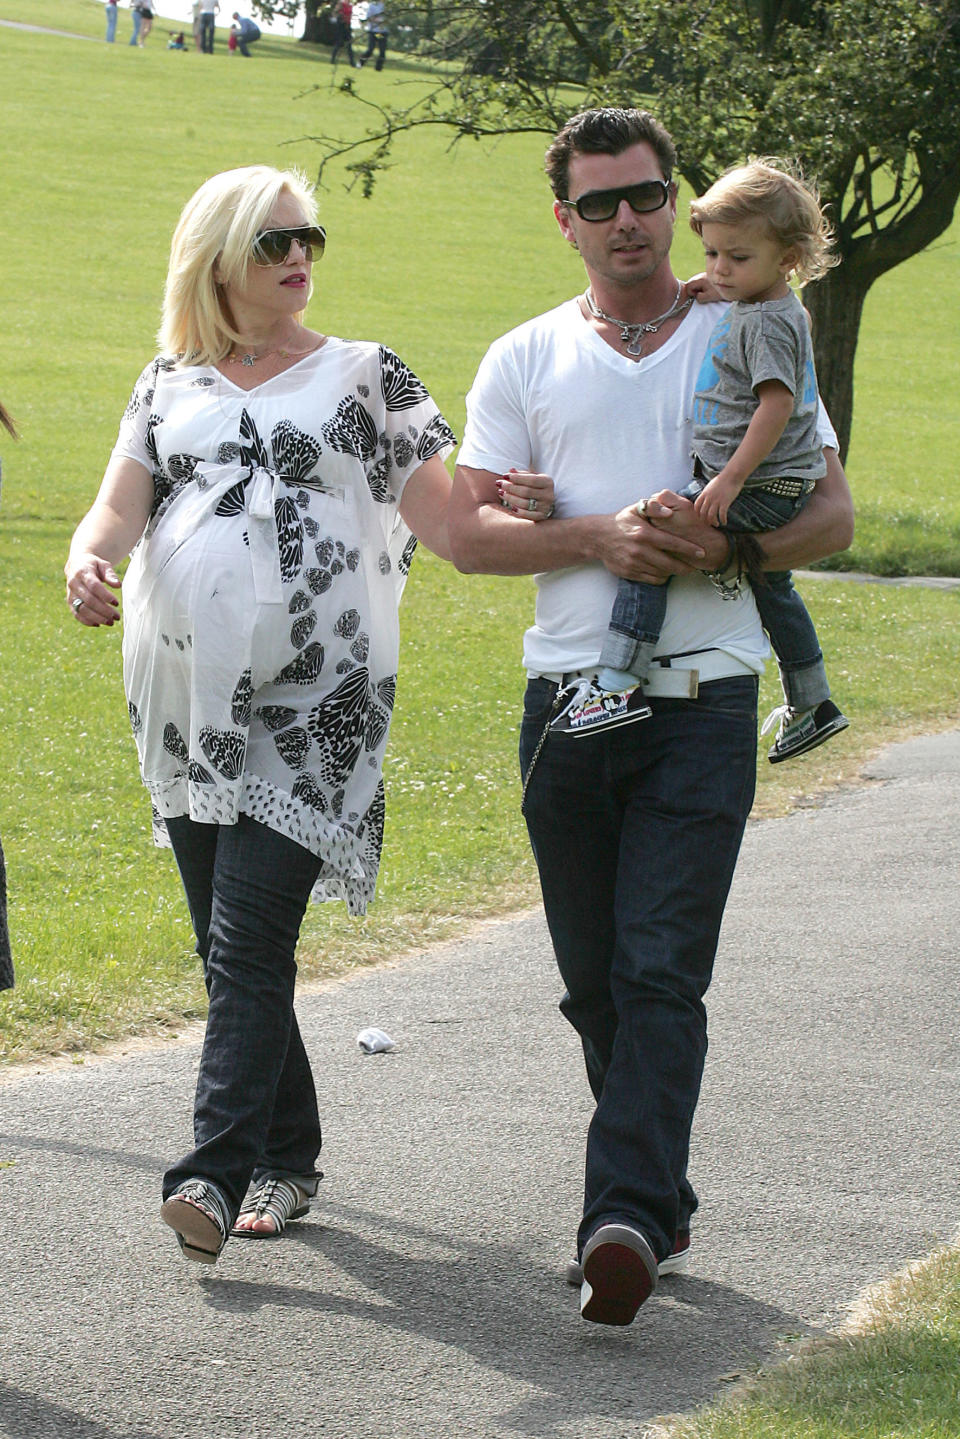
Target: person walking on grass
pixel 111 16
pixel 209 9
pixel 756 451
pixel 270 480
pixel 636 833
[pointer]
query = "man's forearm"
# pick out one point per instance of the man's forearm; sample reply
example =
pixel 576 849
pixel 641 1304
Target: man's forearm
pixel 823 527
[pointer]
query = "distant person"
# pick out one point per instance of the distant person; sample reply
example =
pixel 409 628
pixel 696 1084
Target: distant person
pixel 343 31
pixel 756 451
pixel 177 42
pixel 111 9
pixel 6 962
pixel 136 19
pixel 195 16
pixel 246 31
pixel 376 33
pixel 209 9
pixel 146 20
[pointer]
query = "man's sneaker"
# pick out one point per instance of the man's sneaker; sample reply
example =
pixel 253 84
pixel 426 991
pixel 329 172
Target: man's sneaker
pixel 592 709
pixel 619 1274
pixel 801 730
pixel 675 1262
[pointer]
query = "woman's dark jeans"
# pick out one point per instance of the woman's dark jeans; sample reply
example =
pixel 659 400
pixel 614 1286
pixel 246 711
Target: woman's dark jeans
pixel 255 1112
pixel 636 833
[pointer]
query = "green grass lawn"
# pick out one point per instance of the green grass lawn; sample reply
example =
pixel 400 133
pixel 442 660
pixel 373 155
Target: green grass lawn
pixel 103 145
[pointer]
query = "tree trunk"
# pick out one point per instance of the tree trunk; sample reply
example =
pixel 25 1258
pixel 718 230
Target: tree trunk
pixel 316 23
pixel 836 308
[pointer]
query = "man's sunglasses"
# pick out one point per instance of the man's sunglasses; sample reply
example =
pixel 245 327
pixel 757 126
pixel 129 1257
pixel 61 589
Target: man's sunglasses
pixel 271 247
pixel 604 204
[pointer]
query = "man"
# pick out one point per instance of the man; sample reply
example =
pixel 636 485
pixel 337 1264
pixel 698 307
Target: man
pixel 247 31
pixel 635 830
pixel 208 20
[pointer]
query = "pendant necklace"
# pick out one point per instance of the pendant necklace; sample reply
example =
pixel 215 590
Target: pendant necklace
pixel 632 332
pixel 250 358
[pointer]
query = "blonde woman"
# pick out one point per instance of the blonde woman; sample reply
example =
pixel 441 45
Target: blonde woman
pixel 271 480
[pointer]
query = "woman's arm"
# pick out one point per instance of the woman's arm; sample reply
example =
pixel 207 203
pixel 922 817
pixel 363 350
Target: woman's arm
pixel 104 537
pixel 424 505
pixel 486 539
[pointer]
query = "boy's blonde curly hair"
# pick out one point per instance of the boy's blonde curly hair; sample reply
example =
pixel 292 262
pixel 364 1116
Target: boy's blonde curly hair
pixel 769 190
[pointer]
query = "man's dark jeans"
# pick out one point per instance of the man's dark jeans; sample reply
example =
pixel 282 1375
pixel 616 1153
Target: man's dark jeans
pixel 636 834
pixel 255 1112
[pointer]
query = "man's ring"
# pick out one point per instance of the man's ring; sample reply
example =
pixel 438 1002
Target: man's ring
pixel 75 604
pixel 531 505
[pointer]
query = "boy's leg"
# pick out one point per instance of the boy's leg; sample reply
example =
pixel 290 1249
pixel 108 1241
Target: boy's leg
pixel 635 625
pixel 793 636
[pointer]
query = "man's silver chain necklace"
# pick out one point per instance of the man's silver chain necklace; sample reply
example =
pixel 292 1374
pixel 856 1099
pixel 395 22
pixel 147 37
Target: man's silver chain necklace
pixel 632 333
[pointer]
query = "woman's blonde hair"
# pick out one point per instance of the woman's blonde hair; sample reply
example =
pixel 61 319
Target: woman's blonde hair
pixel 211 248
pixel 768 190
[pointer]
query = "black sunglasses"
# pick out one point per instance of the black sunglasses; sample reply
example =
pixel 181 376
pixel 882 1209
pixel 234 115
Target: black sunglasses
pixel 603 204
pixel 271 247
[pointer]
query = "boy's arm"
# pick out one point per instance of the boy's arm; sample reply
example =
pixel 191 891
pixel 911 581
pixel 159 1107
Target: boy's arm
pixel 774 408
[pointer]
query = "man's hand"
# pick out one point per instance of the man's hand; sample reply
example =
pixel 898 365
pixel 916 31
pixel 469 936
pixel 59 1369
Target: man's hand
pixel 672 514
pixel 637 544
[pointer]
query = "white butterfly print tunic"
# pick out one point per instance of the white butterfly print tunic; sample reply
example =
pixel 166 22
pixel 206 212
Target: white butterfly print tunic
pixel 260 607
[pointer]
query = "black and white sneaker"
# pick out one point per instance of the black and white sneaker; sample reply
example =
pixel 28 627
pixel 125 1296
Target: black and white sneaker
pixel 802 730
pixel 592 709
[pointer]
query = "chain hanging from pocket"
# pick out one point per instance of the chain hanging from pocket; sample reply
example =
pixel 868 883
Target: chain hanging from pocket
pixel 554 708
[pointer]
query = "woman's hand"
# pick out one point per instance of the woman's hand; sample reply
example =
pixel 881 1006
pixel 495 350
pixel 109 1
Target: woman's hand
pixel 88 595
pixel 526 494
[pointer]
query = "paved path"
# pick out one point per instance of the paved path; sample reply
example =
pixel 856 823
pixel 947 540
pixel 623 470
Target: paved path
pixel 422 1298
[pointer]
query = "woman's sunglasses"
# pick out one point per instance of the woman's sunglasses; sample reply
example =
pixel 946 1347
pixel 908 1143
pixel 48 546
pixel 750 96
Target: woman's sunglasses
pixel 603 204
pixel 271 247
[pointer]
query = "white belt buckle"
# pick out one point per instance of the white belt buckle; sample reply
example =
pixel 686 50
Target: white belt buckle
pixel 667 682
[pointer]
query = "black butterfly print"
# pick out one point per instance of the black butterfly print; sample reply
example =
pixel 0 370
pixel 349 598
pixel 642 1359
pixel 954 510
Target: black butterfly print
pixel 378 478
pixel 252 449
pixel 228 452
pixel 295 454
pixel 378 722
pixel 401 387
pixel 302 628
pixel 403 450
pixel 136 723
pixel 289 537
pixel 436 436
pixel 351 431
pixel 348 624
pixel 240 703
pixel 337 724
pixel 307 789
pixel 318 580
pixel 175 744
pixel 360 649
pixel 298 603
pixel 231 503
pixel 304 669
pixel 383 563
pixel 276 717
pixel 198 775
pixel 224 749
pixel 387 690
pixel 293 746
pixel 181 468
pixel 406 559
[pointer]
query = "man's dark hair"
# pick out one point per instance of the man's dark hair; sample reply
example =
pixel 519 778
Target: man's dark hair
pixel 606 132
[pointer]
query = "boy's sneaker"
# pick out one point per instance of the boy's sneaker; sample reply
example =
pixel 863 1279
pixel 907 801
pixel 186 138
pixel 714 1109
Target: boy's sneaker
pixel 592 709
pixel 801 730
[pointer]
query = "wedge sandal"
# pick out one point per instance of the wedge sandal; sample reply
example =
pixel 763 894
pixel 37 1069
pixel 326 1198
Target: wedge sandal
pixel 197 1214
pixel 280 1199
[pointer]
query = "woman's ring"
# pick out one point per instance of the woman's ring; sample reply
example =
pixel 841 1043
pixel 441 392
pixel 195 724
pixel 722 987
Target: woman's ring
pixel 531 505
pixel 641 509
pixel 75 604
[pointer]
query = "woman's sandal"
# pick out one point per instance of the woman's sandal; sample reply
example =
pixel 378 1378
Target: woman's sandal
pixel 197 1214
pixel 281 1199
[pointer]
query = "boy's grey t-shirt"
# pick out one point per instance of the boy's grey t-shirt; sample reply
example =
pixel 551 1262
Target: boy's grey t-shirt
pixel 752 343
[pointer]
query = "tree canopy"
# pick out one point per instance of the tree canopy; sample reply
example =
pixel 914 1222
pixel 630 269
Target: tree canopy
pixel 863 94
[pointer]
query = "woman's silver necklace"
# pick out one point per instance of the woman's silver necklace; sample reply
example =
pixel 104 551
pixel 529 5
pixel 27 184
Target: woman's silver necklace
pixel 251 357
pixel 632 333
